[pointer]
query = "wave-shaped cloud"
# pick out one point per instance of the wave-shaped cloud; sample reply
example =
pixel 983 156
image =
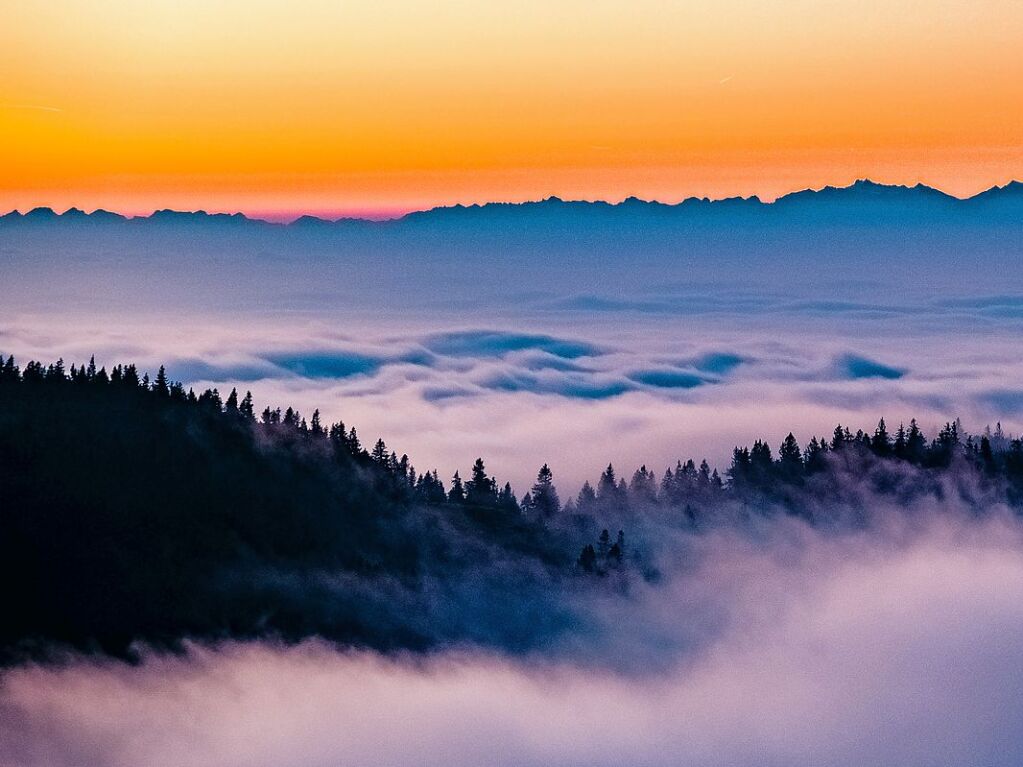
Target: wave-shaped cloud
pixel 327 363
pixel 855 366
pixel 668 379
pixel 494 343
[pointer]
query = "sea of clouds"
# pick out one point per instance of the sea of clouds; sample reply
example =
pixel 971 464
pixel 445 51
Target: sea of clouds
pixel 576 388
pixel 549 340
pixel 776 645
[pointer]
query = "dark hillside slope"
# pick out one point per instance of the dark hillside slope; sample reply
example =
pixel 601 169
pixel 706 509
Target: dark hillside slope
pixel 130 512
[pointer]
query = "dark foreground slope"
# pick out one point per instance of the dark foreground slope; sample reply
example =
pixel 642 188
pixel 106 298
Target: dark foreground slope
pixel 135 512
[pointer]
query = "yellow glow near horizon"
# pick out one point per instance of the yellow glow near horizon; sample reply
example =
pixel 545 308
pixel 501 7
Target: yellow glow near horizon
pixel 385 106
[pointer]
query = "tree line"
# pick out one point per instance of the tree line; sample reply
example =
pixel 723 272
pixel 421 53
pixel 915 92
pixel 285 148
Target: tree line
pixel 134 508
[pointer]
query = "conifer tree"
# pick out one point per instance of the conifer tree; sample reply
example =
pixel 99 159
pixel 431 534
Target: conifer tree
pixel 480 488
pixel 544 500
pixel 586 498
pixel 246 407
pixel 899 445
pixel 506 499
pixel 790 458
pixel 916 443
pixel 838 439
pixel 457 492
pixel 607 485
pixel 161 386
pixel 881 443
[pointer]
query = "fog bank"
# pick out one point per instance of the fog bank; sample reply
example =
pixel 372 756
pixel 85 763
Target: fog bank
pixel 898 646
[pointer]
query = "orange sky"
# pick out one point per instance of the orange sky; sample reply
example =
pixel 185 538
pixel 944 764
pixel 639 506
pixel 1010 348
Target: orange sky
pixel 332 107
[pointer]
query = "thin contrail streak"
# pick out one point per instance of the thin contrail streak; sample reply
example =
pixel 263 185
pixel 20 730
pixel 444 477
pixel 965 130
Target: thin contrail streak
pixel 37 107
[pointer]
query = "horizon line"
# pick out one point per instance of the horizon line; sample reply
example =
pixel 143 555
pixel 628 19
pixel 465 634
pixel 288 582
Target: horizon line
pixel 392 215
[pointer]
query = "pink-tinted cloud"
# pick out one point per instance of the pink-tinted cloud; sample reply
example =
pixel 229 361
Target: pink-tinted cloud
pixel 860 649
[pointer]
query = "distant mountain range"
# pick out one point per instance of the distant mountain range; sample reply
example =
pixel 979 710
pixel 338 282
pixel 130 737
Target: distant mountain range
pixel 862 199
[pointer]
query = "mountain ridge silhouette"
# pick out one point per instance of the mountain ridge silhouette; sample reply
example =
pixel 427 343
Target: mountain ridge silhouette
pixel 863 192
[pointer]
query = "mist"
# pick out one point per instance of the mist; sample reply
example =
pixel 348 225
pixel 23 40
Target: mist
pixel 894 646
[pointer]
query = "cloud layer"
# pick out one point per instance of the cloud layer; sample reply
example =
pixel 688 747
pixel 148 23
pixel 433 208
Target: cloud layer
pixel 633 391
pixel 528 344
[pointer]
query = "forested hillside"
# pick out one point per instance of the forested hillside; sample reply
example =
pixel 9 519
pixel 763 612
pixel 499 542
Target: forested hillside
pixel 136 511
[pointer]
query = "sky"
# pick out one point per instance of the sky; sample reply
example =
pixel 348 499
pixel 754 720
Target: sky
pixel 376 108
